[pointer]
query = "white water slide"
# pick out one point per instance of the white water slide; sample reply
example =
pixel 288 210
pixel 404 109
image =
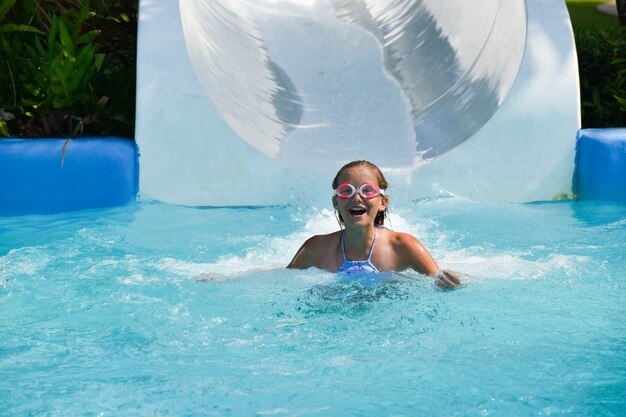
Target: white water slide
pixel 257 102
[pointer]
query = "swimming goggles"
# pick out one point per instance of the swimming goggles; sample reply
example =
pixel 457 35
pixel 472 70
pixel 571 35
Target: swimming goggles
pixel 367 191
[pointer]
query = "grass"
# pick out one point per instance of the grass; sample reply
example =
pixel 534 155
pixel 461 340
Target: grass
pixel 585 15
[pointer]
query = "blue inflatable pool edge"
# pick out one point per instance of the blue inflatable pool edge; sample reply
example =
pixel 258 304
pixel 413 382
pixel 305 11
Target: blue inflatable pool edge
pixel 37 176
pixel 600 172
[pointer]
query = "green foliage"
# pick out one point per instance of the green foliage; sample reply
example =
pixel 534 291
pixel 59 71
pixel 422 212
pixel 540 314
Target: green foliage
pixel 60 76
pixel 584 14
pixel 602 67
pixel 562 196
pixel 4 131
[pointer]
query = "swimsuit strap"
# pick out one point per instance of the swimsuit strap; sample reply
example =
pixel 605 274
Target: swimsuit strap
pixel 369 255
pixel 343 246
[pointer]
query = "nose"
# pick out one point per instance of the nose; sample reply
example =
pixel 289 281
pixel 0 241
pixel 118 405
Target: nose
pixel 357 196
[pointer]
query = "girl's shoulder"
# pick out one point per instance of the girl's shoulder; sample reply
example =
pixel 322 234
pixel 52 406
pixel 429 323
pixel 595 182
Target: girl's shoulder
pixel 399 239
pixel 318 251
pixel 322 240
pixel 315 251
pixel 409 252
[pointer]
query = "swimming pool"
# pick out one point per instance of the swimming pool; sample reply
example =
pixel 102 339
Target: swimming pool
pixel 102 314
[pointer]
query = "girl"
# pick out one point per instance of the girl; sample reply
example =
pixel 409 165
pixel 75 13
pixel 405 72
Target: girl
pixel 364 244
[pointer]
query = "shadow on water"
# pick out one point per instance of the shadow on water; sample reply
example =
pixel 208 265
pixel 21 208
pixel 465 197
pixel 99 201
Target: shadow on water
pixel 34 230
pixel 600 213
pixel 356 296
pixel 587 213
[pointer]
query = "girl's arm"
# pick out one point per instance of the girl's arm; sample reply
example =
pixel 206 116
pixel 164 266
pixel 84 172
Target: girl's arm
pixel 419 259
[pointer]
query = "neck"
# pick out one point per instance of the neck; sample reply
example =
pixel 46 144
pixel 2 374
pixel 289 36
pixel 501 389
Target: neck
pixel 359 238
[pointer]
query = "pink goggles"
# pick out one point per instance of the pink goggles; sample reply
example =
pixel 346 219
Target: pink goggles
pixel 367 191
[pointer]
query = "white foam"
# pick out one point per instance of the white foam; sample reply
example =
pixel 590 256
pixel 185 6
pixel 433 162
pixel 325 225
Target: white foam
pixel 473 263
pixel 270 253
pixel 479 267
pixel 28 260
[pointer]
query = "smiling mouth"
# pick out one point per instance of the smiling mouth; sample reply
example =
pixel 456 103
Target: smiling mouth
pixel 357 211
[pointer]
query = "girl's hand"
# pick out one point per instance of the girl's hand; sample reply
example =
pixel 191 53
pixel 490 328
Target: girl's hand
pixel 448 280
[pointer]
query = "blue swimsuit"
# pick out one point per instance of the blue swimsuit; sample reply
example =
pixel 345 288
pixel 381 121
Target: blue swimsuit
pixel 366 265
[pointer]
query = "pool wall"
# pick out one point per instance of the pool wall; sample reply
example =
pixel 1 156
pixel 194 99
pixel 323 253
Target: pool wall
pixel 38 177
pixel 42 176
pixel 600 172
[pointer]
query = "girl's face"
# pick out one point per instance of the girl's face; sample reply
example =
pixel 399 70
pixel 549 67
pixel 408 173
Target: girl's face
pixel 358 211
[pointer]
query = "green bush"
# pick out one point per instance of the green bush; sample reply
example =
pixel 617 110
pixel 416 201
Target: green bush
pixel 67 67
pixel 602 68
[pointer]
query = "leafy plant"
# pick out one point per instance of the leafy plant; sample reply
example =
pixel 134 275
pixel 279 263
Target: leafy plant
pixel 60 78
pixel 4 131
pixel 602 68
pixel 584 14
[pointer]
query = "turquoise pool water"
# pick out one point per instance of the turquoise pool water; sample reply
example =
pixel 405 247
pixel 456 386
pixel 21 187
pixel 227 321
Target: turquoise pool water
pixel 102 315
